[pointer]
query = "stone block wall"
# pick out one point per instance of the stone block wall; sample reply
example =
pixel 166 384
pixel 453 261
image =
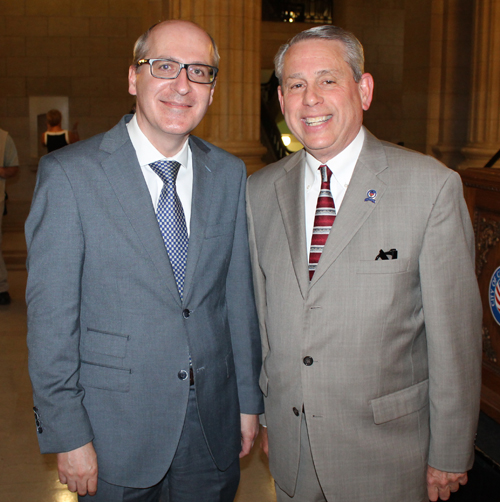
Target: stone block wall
pixel 79 49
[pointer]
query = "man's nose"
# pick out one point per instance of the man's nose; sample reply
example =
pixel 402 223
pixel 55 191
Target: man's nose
pixel 312 95
pixel 182 84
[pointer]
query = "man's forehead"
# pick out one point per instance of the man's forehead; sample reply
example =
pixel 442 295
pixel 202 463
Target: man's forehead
pixel 174 42
pixel 315 57
pixel 178 30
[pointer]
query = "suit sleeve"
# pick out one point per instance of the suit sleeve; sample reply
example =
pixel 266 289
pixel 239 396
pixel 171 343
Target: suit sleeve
pixel 56 248
pixel 452 313
pixel 259 282
pixel 242 315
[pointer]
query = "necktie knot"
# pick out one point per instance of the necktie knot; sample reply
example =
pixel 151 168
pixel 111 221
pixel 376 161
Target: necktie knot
pixel 326 174
pixel 167 170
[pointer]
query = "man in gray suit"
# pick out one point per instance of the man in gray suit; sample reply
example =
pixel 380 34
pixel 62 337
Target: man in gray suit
pixel 143 339
pixel 368 305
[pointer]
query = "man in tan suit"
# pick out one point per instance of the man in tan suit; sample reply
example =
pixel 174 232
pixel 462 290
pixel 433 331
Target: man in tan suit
pixel 372 340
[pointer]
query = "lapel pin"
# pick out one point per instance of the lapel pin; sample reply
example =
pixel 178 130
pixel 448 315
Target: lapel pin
pixel 371 195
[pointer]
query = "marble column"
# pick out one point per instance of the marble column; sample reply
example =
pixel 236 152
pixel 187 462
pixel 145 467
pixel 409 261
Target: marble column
pixel 233 120
pixel 484 114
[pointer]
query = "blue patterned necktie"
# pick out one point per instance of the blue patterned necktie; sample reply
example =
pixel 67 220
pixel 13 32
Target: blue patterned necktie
pixel 171 219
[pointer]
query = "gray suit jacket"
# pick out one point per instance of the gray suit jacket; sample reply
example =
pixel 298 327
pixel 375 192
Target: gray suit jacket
pixel 396 344
pixel 107 332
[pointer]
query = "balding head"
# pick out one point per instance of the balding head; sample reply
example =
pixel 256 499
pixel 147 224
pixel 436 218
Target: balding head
pixel 141 46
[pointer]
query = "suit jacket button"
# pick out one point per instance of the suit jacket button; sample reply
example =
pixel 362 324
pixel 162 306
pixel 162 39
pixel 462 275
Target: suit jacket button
pixel 182 375
pixel 308 360
pixel 296 411
pixel 186 313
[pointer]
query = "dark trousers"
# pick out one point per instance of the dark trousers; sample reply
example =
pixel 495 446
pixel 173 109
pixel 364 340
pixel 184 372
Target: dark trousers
pixel 192 477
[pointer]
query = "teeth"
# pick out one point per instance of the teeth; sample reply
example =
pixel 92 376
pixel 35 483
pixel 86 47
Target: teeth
pixel 317 120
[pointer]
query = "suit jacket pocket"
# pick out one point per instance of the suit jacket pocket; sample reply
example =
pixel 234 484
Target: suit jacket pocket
pixel 101 342
pixel 400 403
pixel 104 377
pixel 382 266
pixel 222 228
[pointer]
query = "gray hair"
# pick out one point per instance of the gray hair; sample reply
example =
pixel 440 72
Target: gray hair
pixel 353 50
pixel 141 47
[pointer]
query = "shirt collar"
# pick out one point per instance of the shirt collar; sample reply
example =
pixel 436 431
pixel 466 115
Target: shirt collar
pixel 147 153
pixel 342 165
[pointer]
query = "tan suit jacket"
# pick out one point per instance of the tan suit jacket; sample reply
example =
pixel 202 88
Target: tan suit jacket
pixel 395 344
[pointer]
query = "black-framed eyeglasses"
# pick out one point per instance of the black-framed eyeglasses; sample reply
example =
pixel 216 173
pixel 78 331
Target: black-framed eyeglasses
pixel 169 69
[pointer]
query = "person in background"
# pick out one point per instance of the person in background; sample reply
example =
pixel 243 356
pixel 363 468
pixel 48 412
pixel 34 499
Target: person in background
pixel 144 350
pixel 9 166
pixel 55 136
pixel 369 309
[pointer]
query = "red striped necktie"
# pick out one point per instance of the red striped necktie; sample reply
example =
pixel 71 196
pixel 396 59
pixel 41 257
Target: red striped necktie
pixel 323 220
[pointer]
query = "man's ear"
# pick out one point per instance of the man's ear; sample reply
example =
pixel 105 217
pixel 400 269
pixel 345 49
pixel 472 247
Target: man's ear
pixel 132 77
pixel 281 100
pixel 366 85
pixel 214 83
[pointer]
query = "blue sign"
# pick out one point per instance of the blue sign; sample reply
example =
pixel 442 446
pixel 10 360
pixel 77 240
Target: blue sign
pixel 494 295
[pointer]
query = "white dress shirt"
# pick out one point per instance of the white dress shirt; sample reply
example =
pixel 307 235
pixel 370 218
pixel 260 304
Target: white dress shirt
pixel 147 154
pixel 342 167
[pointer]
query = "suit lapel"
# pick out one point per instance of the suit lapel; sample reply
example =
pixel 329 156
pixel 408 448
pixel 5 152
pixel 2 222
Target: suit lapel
pixel 355 210
pixel 203 193
pixel 125 176
pixel 290 194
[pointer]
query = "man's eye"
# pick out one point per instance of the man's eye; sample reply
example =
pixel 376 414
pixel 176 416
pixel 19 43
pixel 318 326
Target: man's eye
pixel 165 67
pixel 328 82
pixel 296 86
pixel 199 71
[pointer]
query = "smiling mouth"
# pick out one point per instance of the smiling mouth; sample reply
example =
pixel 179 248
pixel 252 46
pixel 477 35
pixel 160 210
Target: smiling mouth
pixel 314 121
pixel 175 104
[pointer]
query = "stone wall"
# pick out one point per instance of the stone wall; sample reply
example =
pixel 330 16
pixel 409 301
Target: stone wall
pixel 79 49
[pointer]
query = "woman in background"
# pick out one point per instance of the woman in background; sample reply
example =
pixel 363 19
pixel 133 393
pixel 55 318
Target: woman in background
pixel 56 137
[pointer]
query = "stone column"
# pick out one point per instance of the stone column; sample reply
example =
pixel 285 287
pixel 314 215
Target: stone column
pixel 450 79
pixel 484 114
pixel 233 120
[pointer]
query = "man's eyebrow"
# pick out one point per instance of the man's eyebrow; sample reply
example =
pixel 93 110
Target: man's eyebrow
pixel 175 60
pixel 318 73
pixel 294 75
